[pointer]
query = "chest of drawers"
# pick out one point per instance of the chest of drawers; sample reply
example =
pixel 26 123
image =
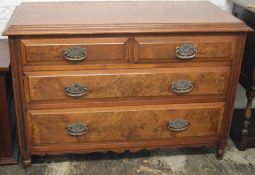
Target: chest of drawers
pixel 123 75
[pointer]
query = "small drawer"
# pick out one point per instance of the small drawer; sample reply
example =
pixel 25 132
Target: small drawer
pixel 99 84
pixel 74 50
pixel 124 123
pixel 184 48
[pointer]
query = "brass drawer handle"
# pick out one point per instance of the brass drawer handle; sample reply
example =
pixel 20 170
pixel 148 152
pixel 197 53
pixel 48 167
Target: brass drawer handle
pixel 75 53
pixel 77 129
pixel 178 125
pixel 186 51
pixel 182 86
pixel 76 90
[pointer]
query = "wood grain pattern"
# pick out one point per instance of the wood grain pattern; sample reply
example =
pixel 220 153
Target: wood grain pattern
pixel 46 51
pixel 162 49
pixel 122 17
pixel 131 80
pixel 120 147
pixel 124 123
pixel 126 83
pixel 19 98
pixel 124 101
pixel 43 51
pixel 55 66
pixel 235 73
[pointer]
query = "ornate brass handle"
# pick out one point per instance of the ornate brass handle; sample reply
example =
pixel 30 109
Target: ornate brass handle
pixel 178 125
pixel 75 53
pixel 76 90
pixel 182 86
pixel 77 129
pixel 186 51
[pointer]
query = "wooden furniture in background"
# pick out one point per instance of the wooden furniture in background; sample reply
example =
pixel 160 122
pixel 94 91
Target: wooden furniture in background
pixel 7 113
pixel 123 75
pixel 243 124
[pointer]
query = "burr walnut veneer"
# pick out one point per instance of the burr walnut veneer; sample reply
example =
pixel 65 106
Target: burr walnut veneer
pixel 99 76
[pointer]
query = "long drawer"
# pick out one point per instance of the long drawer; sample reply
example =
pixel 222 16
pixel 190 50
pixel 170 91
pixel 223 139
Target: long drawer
pixel 124 123
pixel 96 84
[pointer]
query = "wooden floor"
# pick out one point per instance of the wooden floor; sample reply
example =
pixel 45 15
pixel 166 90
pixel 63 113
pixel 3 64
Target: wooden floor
pixel 185 161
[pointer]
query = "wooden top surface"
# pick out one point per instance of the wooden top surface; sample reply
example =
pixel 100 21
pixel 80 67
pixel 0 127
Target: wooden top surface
pixel 119 17
pixel 4 56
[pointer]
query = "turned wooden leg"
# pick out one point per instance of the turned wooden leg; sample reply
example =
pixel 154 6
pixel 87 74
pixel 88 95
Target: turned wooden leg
pixel 27 165
pixel 220 150
pixel 246 121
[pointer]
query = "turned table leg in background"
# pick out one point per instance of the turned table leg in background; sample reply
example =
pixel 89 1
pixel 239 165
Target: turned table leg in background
pixel 246 121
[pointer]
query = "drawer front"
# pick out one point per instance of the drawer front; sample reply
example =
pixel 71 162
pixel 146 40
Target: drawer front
pixel 60 50
pixel 124 123
pixel 125 83
pixel 173 49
